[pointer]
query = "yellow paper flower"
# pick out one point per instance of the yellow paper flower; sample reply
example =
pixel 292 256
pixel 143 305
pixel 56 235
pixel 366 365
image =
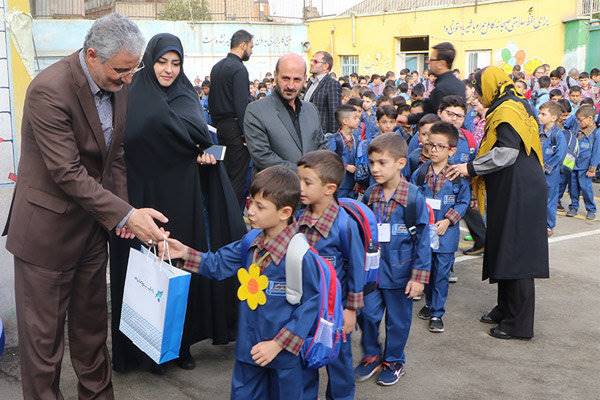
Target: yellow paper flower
pixel 252 284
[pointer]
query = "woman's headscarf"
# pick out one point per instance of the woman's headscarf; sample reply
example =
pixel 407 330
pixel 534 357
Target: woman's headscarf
pixel 505 106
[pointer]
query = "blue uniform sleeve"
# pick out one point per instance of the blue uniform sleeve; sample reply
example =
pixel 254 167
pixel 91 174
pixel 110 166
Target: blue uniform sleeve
pixel 595 158
pixel 306 313
pixel 224 263
pixel 356 264
pixel 462 203
pixel 422 261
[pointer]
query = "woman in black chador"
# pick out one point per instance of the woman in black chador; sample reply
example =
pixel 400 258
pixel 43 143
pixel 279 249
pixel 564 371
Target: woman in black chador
pixel 164 136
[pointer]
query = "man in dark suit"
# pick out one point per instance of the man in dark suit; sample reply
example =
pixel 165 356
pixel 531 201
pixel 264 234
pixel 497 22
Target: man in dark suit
pixel 71 191
pixel 281 128
pixel 324 91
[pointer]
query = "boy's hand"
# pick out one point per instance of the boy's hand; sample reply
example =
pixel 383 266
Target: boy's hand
pixel 590 173
pixel 442 226
pixel 414 289
pixel 349 320
pixel 264 352
pixel 176 249
pixel 351 168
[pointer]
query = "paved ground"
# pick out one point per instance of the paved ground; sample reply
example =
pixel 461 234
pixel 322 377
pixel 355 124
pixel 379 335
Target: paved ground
pixel 561 362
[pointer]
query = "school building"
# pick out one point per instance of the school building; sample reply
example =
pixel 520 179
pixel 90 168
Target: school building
pixel 376 36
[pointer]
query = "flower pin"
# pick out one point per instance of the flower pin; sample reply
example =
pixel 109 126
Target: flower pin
pixel 252 284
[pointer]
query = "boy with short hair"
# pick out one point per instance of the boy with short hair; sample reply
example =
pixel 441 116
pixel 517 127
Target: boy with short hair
pixel 556 94
pixel 449 201
pixel 417 92
pixel 403 234
pixel 586 163
pixel 453 109
pixel 556 83
pixel 403 128
pixel 542 95
pixel 386 119
pixel 587 89
pixel 335 235
pixel 595 76
pixel 345 144
pixel 417 141
pixel 368 115
pixel 403 88
pixel 575 98
pixel 271 331
pixel 554 149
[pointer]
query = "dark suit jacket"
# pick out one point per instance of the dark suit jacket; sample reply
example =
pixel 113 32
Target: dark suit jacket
pixel 68 181
pixel 271 136
pixel 327 98
pixel 445 85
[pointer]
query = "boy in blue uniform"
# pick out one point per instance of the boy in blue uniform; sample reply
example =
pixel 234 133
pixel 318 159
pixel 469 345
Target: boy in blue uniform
pixel 571 138
pixel 369 116
pixel 405 261
pixel 453 109
pixel 418 155
pixel 554 149
pixel 271 331
pixel 335 235
pixel 586 163
pixel 345 144
pixel 449 201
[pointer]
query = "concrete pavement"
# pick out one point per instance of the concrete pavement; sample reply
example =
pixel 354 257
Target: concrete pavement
pixel 561 362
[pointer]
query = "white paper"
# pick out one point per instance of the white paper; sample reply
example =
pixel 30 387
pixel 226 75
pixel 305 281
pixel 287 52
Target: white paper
pixel 435 204
pixel 384 233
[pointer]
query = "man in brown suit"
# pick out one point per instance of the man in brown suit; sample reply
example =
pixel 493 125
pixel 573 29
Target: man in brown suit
pixel 71 191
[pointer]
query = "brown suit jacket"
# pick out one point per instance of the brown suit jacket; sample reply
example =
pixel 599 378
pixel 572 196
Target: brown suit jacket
pixel 68 181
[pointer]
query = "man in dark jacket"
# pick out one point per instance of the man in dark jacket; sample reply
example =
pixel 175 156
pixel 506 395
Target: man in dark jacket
pixel 324 91
pixel 229 96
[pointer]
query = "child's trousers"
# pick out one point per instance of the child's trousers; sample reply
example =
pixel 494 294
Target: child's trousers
pixel 252 382
pixel 581 183
pixel 553 182
pixel 398 317
pixel 565 181
pixel 436 292
pixel 341 384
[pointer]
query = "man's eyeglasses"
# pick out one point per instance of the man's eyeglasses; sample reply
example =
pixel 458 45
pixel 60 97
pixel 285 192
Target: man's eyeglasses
pixel 454 115
pixel 436 147
pixel 316 61
pixel 123 72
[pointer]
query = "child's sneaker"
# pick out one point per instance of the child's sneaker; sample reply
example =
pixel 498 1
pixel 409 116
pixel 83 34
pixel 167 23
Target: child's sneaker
pixel 560 207
pixel 424 313
pixel 417 298
pixel 571 212
pixel 390 374
pixel 436 325
pixel 590 215
pixel 452 278
pixel 368 366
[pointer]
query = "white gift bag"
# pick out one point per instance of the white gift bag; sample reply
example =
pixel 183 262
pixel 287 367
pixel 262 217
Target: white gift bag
pixel 154 305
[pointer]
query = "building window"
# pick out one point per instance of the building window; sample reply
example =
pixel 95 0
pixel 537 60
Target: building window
pixel 349 64
pixel 477 59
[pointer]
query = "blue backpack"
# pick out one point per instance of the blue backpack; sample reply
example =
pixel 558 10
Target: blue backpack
pixel 367 227
pixel 322 346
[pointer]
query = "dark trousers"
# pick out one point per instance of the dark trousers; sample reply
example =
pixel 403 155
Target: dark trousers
pixel 45 298
pixel 476 226
pixel 516 307
pixel 237 157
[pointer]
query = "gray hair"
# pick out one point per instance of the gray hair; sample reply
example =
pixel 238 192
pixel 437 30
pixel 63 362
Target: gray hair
pixel 114 33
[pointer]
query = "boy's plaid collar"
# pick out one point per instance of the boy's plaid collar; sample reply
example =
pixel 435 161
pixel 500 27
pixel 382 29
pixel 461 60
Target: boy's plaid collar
pixel 400 196
pixel 276 247
pixel 325 222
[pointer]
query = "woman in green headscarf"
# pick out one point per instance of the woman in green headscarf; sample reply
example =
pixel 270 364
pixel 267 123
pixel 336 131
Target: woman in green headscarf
pixel 509 183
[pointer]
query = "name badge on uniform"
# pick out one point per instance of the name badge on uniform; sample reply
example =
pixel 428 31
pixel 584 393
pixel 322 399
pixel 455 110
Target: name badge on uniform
pixel 399 229
pixel 464 157
pixel 584 145
pixel 449 199
pixel 549 151
pixel 436 204
pixel 384 233
pixel 372 261
pixel 276 288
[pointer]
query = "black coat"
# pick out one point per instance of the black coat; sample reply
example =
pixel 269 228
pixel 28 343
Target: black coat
pixel 516 244
pixel 445 85
pixel 327 97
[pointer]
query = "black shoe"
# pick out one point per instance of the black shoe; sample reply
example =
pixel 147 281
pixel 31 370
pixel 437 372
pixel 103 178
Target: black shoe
pixel 487 319
pixel 560 207
pixel 158 369
pixel 474 251
pixel 436 325
pixel 500 334
pixel 186 361
pixel 424 313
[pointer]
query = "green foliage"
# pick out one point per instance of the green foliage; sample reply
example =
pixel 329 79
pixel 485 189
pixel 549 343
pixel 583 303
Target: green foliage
pixel 186 10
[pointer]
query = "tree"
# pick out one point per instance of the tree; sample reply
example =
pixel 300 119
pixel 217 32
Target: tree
pixel 186 10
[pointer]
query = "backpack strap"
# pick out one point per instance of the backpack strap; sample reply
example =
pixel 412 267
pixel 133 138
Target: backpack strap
pixel 296 250
pixel 410 212
pixel 247 241
pixel 422 173
pixel 471 142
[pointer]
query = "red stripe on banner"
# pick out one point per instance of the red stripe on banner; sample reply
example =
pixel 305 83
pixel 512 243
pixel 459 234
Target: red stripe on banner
pixel 12 176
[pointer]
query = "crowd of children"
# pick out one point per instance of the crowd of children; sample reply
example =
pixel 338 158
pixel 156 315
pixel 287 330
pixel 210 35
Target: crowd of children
pixel 398 172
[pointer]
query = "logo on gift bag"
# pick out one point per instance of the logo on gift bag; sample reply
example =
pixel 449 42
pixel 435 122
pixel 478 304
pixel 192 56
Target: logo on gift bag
pixel 158 295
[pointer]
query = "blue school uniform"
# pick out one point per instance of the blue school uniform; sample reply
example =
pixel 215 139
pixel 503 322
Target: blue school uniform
pixel 279 379
pixel 469 123
pixel 403 258
pixel 463 154
pixel 371 128
pixel 565 173
pixel 349 157
pixel 412 163
pixel 344 249
pixel 454 200
pixel 589 156
pixel 554 149
pixel 413 143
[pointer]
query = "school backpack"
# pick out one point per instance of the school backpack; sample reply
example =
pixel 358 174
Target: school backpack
pixel 367 227
pixel 322 346
pixel 471 142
